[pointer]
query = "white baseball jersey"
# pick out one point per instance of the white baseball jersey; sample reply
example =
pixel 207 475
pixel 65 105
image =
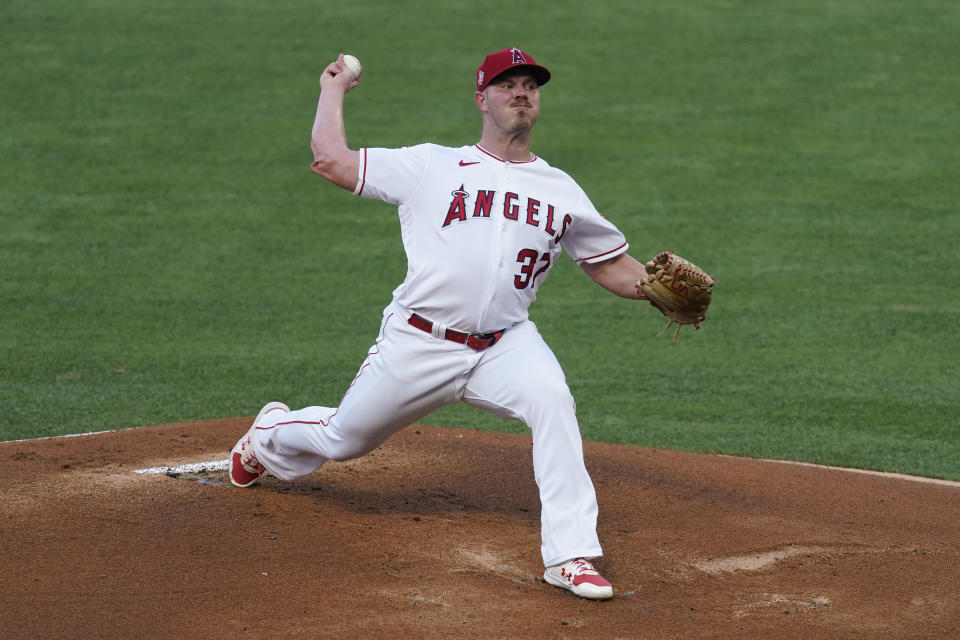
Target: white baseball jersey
pixel 451 200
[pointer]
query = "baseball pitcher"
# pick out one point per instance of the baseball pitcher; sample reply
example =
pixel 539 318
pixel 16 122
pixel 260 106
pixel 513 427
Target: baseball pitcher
pixel 482 226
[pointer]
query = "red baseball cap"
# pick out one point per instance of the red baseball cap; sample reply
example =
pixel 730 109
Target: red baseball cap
pixel 506 59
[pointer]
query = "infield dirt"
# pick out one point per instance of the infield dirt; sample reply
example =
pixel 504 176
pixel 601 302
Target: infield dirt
pixel 436 535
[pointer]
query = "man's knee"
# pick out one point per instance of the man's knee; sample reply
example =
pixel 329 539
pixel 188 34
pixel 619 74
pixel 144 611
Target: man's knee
pixel 343 451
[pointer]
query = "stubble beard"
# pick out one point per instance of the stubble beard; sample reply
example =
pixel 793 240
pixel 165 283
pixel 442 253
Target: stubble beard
pixel 523 121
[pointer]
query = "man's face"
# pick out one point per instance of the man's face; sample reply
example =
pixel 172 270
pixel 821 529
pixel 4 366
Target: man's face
pixel 512 101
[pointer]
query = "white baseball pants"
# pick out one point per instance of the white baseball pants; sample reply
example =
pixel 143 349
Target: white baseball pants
pixel 409 373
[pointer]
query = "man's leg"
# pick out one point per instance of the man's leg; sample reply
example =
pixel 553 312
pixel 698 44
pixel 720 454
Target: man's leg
pixel 520 378
pixel 406 375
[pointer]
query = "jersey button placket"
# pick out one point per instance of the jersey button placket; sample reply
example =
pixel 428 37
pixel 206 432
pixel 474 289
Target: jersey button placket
pixel 503 221
pixel 507 183
pixel 508 186
pixel 496 249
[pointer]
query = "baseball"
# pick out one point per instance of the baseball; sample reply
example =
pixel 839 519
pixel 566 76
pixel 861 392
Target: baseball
pixel 351 63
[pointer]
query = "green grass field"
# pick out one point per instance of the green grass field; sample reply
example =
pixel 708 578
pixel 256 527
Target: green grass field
pixel 168 256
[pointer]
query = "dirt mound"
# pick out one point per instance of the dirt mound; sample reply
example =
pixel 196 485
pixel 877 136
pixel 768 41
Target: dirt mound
pixel 436 535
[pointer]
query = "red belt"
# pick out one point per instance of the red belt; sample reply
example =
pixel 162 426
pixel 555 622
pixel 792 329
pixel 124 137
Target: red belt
pixel 476 341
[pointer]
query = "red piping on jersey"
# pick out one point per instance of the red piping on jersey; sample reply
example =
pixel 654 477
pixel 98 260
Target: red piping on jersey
pixel 363 178
pixel 534 159
pixel 375 351
pixel 599 255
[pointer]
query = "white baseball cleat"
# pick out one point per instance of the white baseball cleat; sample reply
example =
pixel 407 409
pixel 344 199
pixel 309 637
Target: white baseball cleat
pixel 579 576
pixel 245 469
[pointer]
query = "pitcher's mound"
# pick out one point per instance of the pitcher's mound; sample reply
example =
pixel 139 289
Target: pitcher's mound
pixel 436 535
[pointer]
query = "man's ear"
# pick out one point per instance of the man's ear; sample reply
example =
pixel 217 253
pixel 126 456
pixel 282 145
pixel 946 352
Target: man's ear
pixel 481 99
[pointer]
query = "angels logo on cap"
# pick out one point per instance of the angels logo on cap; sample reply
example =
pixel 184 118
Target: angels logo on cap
pixel 506 59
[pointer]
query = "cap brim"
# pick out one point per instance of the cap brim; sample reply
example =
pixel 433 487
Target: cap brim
pixel 541 74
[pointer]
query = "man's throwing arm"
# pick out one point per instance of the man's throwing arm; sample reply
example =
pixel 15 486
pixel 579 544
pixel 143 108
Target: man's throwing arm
pixel 332 158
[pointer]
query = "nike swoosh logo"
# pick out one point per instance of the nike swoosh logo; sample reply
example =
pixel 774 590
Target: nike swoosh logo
pixel 467 164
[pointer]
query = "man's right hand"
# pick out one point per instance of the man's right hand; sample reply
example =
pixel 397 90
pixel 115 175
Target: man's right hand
pixel 338 76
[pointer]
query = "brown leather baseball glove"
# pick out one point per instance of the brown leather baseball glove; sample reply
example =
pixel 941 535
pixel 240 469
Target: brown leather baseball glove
pixel 678 288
